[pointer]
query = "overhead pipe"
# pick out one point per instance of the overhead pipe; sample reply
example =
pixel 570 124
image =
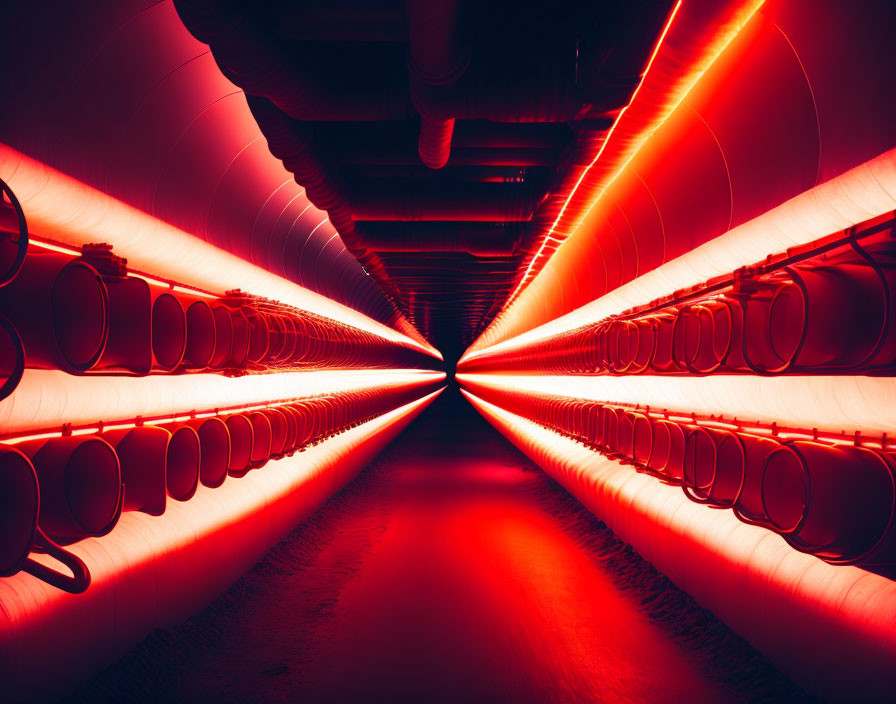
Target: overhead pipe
pixel 288 141
pixel 474 173
pixel 475 143
pixel 383 155
pixel 372 142
pixel 498 239
pixel 340 21
pixel 439 54
pixel 253 58
pixel 541 88
pixel 467 202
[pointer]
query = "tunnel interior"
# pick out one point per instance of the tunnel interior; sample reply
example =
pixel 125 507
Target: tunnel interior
pixel 437 350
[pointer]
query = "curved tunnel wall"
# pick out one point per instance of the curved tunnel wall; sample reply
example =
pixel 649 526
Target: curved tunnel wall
pixel 778 167
pixel 780 112
pixel 123 131
pixel 122 98
pixel 798 97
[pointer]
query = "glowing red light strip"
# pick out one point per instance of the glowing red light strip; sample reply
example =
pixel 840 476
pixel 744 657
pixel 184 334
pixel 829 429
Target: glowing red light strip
pixel 182 417
pixel 54 247
pixel 643 138
pixel 51 246
pixel 756 429
pixel 836 405
pixel 49 399
pixel 597 157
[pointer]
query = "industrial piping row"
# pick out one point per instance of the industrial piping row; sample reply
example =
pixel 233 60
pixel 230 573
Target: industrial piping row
pixel 87 314
pixel 824 308
pixel 829 498
pixel 57 490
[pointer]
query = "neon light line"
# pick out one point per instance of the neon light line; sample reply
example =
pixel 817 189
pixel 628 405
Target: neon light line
pixel 645 135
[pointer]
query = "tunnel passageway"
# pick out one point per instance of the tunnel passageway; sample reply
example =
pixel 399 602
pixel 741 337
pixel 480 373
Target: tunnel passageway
pixel 450 570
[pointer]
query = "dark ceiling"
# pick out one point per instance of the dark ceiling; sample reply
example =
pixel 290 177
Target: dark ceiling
pixel 440 136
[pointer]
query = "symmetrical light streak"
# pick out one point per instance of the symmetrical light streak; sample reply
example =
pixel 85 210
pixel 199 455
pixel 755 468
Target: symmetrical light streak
pixel 829 403
pixel 65 211
pixel 47 398
pixel 863 192
pixel 549 236
pixel 637 143
pixel 92 427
